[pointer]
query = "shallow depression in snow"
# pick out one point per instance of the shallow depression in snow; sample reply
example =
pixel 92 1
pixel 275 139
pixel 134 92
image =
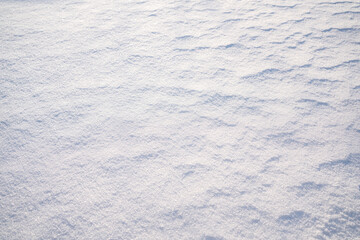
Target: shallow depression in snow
pixel 179 119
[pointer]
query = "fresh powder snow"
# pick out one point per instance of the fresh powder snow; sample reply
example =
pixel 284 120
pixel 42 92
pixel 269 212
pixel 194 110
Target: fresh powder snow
pixel 171 119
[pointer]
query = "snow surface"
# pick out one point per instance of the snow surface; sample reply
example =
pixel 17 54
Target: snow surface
pixel 179 119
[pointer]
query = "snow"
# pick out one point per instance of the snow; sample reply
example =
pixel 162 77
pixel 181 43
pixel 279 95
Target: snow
pixel 179 119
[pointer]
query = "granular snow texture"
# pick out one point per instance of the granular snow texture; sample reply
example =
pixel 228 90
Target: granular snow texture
pixel 179 119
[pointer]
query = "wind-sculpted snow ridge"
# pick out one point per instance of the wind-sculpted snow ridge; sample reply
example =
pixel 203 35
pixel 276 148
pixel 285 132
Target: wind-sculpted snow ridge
pixel 179 119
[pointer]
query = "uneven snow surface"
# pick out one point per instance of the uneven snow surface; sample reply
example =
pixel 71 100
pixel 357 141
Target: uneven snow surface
pixel 179 119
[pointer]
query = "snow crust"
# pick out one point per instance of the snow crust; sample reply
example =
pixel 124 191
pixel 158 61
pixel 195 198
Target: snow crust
pixel 179 119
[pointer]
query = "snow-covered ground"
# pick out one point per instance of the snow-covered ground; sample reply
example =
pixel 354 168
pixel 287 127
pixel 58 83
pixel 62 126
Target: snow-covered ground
pixel 179 119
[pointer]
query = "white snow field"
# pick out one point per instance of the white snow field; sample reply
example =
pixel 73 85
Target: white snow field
pixel 180 119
